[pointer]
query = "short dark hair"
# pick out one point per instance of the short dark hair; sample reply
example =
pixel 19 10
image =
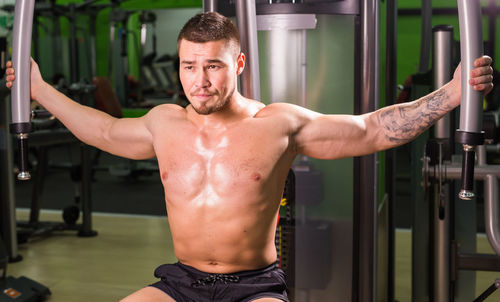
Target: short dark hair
pixel 207 27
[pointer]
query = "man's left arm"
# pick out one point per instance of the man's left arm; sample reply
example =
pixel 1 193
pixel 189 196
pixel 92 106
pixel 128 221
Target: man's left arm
pixel 337 136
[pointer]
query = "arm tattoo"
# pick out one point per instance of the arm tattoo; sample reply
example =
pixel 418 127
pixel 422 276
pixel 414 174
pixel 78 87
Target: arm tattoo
pixel 404 122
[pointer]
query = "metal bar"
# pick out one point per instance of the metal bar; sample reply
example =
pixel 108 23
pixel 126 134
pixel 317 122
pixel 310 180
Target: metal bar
pixel 470 132
pixel 7 202
pixel 93 46
pixel 471 47
pixel 21 52
pixel 303 65
pixel 442 64
pixel 490 290
pixel 85 187
pixel 37 189
pixel 73 46
pixel 390 155
pixel 364 289
pixel 445 11
pixel 247 24
pixel 441 243
pixel 442 53
pixel 491 211
pixel 478 262
pixel 425 41
pixel 209 5
pixel 454 171
pixel 492 28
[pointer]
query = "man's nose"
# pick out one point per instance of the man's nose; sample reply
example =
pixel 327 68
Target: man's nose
pixel 201 79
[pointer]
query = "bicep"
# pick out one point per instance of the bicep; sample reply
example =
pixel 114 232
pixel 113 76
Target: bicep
pixel 130 138
pixel 335 136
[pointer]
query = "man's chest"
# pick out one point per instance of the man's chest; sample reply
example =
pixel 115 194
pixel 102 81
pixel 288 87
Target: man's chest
pixel 193 162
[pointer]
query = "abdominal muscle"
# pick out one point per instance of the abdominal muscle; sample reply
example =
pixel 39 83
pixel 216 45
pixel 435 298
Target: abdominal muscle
pixel 225 223
pixel 222 240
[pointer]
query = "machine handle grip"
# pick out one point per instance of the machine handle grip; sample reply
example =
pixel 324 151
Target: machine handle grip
pixel 471 106
pixel 20 96
pixel 23 174
pixel 467 186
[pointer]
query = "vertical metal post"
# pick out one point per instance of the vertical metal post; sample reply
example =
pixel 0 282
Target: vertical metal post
pixel 425 41
pixel 247 24
pixel 365 173
pixel 470 133
pixel 209 5
pixel 492 18
pixel 73 45
pixel 390 155
pixel 93 45
pixel 303 68
pixel 442 66
pixel 443 49
pixel 8 208
pixel 21 53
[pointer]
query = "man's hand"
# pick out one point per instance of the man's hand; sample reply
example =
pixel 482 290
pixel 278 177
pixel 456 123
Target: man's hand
pixel 481 77
pixel 37 81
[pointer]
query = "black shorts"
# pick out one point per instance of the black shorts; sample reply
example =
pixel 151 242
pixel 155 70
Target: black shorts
pixel 184 283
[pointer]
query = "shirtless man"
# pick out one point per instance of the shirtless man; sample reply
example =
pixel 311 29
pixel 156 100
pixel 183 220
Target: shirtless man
pixel 224 159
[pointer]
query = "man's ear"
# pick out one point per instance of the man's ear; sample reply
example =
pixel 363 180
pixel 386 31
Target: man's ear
pixel 241 63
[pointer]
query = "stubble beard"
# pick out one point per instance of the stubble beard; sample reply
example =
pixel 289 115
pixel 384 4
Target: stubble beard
pixel 220 105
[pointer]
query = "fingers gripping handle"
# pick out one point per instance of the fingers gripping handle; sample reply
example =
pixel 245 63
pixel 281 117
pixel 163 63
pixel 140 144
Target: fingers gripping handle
pixel 20 102
pixel 470 133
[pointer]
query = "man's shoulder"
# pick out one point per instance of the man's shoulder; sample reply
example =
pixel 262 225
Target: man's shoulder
pixel 170 110
pixel 277 109
pixel 165 115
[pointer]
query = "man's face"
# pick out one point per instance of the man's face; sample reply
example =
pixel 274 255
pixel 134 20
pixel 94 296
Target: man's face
pixel 208 73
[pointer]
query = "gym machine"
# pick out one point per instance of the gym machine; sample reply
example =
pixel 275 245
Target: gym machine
pixel 21 289
pixel 22 124
pixel 351 243
pixel 440 166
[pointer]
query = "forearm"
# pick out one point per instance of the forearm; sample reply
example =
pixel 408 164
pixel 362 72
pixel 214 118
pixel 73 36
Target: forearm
pixel 402 123
pixel 86 123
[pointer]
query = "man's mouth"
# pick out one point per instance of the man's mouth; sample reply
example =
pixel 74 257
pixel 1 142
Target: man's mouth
pixel 202 95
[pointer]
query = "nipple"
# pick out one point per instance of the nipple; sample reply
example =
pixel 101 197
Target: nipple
pixel 164 175
pixel 256 176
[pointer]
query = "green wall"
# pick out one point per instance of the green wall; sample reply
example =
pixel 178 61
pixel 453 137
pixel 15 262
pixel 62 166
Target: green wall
pixel 409 35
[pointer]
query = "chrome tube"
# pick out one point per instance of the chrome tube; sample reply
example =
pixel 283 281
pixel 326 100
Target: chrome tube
pixel 209 5
pixel 247 24
pixel 367 169
pixel 20 101
pixel 470 133
pixel 442 50
pixel 442 64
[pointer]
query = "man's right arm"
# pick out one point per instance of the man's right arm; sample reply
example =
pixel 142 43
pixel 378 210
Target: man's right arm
pixel 126 137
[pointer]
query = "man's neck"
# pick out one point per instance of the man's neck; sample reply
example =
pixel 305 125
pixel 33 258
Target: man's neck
pixel 237 109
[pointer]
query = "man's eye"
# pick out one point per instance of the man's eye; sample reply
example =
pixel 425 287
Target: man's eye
pixel 213 66
pixel 188 67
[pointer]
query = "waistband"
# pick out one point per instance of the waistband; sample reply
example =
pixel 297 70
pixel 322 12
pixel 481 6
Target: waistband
pixel 247 273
